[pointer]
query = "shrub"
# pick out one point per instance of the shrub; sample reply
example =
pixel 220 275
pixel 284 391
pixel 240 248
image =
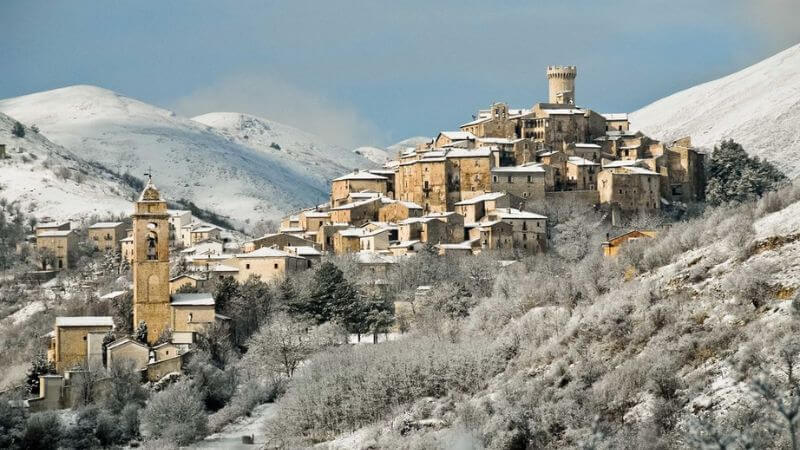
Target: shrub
pixel 347 388
pixel 42 431
pixel 175 414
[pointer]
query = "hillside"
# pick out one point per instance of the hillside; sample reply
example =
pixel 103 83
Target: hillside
pixel 233 169
pixel 50 181
pixel 758 107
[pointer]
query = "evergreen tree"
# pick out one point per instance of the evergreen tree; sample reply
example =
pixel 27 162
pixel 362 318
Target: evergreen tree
pixel 225 291
pixel 286 293
pixel 330 297
pixel 733 176
pixel 18 130
pixel 39 366
pixel 250 307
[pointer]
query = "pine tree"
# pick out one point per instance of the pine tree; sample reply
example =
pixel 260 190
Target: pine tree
pixel 733 176
pixel 225 291
pixel 330 297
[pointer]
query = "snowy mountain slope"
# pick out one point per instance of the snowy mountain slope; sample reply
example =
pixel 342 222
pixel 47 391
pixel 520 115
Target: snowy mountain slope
pixel 377 155
pixel 189 159
pixel 283 141
pixel 50 181
pixel 758 107
pixel 405 143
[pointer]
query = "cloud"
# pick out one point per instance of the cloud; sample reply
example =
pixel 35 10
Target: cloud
pixel 272 98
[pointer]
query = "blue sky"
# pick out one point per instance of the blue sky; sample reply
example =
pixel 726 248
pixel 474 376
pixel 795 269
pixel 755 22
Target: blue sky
pixel 374 72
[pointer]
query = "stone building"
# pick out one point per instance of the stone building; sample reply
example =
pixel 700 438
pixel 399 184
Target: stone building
pixel 278 241
pixel 630 188
pixel 526 181
pixel 529 230
pixel 356 182
pixel 347 240
pixel 399 210
pixel 60 244
pixel 78 342
pixel 617 122
pixel 191 312
pixel 581 174
pixel 492 235
pixel 151 263
pixel 106 236
pixel 357 213
pixel 178 218
pixel 266 263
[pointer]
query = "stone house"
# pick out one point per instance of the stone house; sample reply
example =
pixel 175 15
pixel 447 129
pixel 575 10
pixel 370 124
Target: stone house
pixel 450 138
pixel 374 241
pixel 475 208
pixel 278 241
pixel 326 235
pixel 203 233
pixel 454 225
pixel 185 280
pixel 347 240
pixel 617 122
pixel 399 210
pixel 61 243
pixel 529 230
pixel 267 263
pixel 126 248
pixel 592 152
pixel 130 349
pixel 465 248
pixel 310 253
pixel 613 245
pixel 581 174
pixel 631 188
pixel 52 226
pixel 78 341
pixel 106 235
pixel 358 213
pixel 178 218
pixel 358 181
pixel 423 229
pixel 191 312
pixel 492 235
pixel 526 181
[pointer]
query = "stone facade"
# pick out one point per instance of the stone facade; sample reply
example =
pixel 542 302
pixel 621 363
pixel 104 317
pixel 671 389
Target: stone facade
pixel 151 263
pixel 75 340
pixel 106 236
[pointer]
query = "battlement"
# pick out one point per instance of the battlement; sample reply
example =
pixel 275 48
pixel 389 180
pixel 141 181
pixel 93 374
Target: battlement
pixel 562 72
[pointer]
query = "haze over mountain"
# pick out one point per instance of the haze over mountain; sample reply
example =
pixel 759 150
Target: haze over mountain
pixel 758 107
pixel 242 166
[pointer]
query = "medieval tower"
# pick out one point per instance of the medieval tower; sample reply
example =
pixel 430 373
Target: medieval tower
pixel 561 82
pixel 151 263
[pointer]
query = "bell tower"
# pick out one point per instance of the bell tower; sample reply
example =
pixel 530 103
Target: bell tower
pixel 151 263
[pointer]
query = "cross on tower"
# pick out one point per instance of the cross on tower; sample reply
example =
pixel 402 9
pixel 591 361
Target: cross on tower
pixel 149 175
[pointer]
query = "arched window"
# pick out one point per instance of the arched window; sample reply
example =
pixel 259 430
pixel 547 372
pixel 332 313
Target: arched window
pixel 152 246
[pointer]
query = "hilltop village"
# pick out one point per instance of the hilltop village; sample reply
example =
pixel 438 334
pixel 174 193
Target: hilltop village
pixel 481 188
pixel 486 185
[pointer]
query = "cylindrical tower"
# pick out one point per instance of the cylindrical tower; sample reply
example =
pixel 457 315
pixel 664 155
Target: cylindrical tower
pixel 561 81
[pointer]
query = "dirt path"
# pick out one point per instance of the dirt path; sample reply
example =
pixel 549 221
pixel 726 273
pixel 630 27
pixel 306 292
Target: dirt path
pixel 231 435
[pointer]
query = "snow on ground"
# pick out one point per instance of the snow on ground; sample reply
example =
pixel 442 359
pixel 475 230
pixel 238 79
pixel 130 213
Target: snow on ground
pixel 758 107
pixel 231 435
pixel 377 155
pixel 786 221
pixel 26 312
pixel 29 175
pixel 225 162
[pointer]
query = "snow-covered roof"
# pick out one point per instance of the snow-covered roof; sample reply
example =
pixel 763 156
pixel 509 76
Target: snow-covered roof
pixel 586 145
pixel 375 232
pixel 481 198
pixel 470 153
pixel 204 229
pixel 125 340
pixel 51 225
pixel 372 258
pixel 578 161
pixel 616 116
pixel 192 299
pixel 466 245
pixel 351 232
pixel 354 204
pixel 476 121
pixel 55 233
pixel 127 239
pixel 178 212
pixel 85 321
pixel 360 175
pixel 318 214
pixel 305 250
pixel 622 163
pixel 223 268
pixel 524 168
pixel 635 170
pixel 498 141
pixel 404 244
pixel 264 252
pixel 105 225
pixel 458 135
pixel 563 111
pixel 513 213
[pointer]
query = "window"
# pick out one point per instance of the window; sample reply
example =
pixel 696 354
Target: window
pixel 530 179
pixel 494 179
pixel 247 266
pixel 276 265
pixel 509 179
